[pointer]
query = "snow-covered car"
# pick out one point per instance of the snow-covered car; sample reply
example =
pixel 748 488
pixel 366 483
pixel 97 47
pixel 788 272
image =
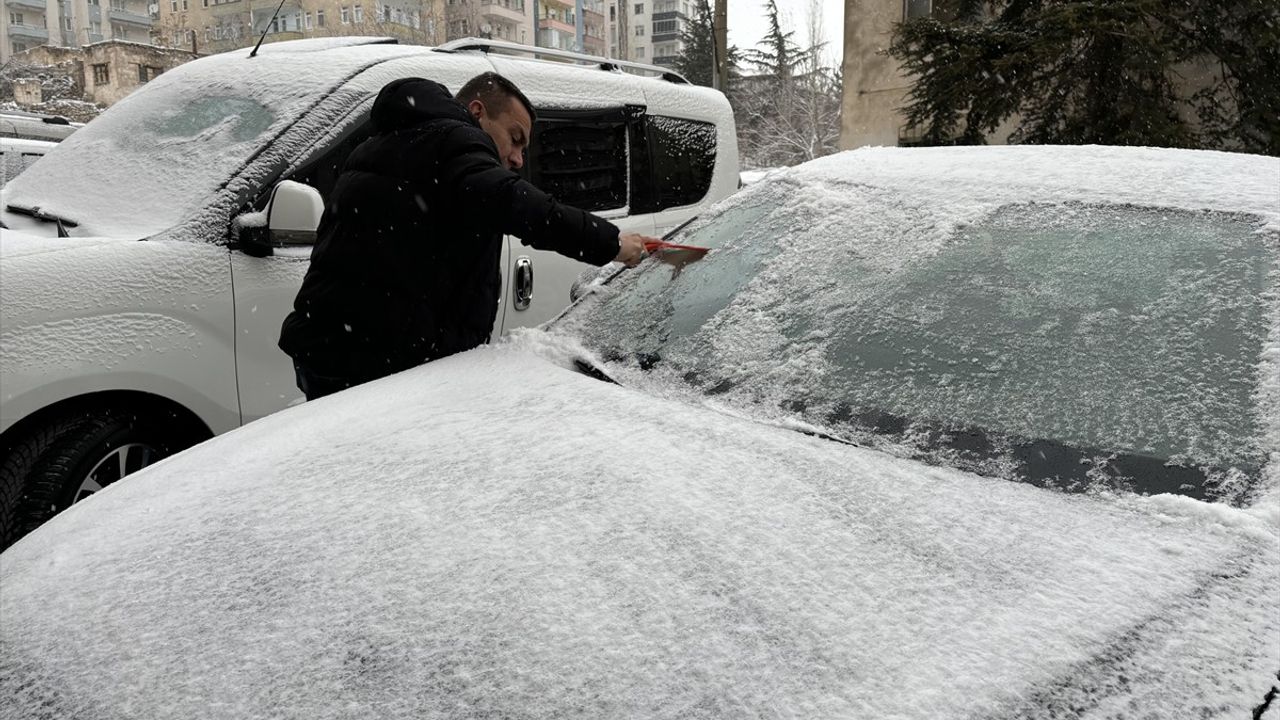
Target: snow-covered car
pixel 115 352
pixel 503 533
pixel 18 154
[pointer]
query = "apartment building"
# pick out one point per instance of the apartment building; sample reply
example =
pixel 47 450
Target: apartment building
pixel 648 30
pixel 26 24
pixel 212 26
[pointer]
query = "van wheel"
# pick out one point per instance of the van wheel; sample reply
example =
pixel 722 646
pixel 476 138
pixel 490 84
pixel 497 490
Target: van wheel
pixel 81 454
pixel 16 465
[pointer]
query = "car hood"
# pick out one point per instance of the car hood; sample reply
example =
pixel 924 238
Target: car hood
pixel 494 534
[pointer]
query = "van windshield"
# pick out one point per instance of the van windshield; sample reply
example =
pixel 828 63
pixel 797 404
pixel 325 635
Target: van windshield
pixel 158 157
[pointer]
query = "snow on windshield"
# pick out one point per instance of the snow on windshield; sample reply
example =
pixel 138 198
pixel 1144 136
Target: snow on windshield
pixel 1105 327
pixel 157 157
pixel 491 536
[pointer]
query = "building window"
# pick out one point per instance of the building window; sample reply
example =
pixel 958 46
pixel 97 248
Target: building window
pixel 664 26
pixel 319 18
pixel 344 15
pixel 639 53
pixel 147 73
pixel 913 9
pixel 308 20
pixel 639 8
pixel 100 74
pixel 15 18
pixel 358 13
pixel 639 31
pixel 19 47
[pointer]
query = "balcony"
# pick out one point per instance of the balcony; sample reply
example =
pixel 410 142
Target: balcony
pixel 497 10
pixel 34 5
pixel 130 18
pixel 550 24
pixel 30 32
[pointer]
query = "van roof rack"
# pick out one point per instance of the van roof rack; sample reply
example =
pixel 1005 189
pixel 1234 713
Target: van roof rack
pixel 610 64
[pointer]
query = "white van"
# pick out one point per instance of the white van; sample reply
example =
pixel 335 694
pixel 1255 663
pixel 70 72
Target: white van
pixel 35 126
pixel 116 352
pixel 18 154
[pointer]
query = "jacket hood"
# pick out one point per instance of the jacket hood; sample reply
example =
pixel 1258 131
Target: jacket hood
pixel 407 102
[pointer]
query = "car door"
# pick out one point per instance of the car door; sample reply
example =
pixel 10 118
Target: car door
pixel 582 158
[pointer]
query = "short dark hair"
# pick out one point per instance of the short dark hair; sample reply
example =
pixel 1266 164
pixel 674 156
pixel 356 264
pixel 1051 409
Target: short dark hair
pixel 491 88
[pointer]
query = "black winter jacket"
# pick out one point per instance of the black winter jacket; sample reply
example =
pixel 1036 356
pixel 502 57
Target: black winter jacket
pixel 405 267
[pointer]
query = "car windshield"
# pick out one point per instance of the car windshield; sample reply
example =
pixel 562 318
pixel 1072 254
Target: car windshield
pixel 155 158
pixel 1069 345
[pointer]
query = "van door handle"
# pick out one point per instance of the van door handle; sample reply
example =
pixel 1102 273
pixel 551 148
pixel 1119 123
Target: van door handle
pixel 523 283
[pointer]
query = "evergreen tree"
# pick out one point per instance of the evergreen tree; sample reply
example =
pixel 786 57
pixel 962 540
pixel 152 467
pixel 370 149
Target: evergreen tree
pixel 696 60
pixel 1174 73
pixel 789 111
pixel 778 56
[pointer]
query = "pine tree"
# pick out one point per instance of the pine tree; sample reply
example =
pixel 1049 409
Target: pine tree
pixel 1174 73
pixel 696 60
pixel 789 111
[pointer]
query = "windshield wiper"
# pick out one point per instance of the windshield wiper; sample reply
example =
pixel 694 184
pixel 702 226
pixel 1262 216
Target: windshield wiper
pixel 38 214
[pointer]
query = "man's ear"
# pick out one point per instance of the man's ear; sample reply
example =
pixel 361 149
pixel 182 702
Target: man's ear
pixel 477 108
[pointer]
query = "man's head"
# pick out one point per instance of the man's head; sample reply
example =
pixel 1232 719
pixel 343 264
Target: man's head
pixel 503 112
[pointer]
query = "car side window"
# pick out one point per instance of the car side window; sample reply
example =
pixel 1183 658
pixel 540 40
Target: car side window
pixel 580 157
pixel 322 172
pixel 673 160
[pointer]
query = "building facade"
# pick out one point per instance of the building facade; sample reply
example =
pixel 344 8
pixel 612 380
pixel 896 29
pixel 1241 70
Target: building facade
pixel 27 24
pixel 648 30
pixel 101 73
pixel 212 26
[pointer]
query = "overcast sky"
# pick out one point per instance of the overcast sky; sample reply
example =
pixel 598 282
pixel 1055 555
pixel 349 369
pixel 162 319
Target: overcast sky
pixel 747 23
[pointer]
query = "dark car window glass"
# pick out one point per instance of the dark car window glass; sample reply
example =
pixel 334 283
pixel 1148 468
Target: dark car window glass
pixel 580 159
pixel 679 160
pixel 1067 345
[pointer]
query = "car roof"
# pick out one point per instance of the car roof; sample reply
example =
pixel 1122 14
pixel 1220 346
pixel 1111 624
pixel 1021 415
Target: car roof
pixel 961 177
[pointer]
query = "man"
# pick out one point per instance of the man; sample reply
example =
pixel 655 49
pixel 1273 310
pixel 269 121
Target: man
pixel 405 268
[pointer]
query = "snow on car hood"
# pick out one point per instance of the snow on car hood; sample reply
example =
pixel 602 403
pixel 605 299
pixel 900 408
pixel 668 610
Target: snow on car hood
pixel 495 535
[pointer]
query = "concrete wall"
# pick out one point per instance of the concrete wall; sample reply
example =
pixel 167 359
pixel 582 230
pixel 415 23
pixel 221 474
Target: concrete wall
pixel 874 85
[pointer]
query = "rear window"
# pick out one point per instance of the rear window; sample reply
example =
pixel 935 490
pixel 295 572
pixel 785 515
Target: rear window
pixel 580 158
pixel 673 160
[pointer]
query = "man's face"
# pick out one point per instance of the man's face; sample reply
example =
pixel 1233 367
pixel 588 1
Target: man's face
pixel 509 125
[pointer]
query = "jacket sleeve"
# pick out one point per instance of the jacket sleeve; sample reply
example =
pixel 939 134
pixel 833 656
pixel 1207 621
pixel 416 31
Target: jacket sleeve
pixel 502 201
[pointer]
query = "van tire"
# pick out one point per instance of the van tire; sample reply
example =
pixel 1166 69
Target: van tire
pixel 60 456
pixel 16 465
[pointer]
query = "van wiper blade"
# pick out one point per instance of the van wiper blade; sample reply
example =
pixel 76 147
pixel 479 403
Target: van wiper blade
pixel 43 216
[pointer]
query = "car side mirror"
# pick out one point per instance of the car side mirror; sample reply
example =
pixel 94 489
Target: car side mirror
pixel 293 213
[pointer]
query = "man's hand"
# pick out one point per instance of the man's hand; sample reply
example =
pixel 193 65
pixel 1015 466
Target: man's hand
pixel 631 248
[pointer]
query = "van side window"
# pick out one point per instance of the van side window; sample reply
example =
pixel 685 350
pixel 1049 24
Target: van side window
pixel 580 157
pixel 672 163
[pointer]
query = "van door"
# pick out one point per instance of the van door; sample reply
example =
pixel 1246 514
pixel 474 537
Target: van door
pixel 265 287
pixel 582 158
